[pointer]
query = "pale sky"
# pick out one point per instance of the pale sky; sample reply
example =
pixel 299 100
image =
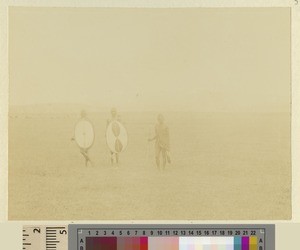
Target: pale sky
pixel 218 60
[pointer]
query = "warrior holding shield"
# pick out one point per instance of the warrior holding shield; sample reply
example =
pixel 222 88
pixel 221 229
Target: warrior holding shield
pixel 116 136
pixel 162 141
pixel 84 136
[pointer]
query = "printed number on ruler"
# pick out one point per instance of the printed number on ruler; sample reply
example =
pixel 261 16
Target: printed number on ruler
pixel 45 237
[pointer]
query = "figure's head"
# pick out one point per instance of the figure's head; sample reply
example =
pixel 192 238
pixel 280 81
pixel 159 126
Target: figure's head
pixel 160 118
pixel 83 114
pixel 113 112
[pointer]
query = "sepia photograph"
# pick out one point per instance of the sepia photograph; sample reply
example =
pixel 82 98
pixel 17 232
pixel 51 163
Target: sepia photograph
pixel 149 114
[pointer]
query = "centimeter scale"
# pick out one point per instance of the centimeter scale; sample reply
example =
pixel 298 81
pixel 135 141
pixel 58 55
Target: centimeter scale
pixel 45 237
pixel 149 237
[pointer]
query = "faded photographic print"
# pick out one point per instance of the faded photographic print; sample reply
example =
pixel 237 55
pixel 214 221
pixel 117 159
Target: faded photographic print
pixel 149 114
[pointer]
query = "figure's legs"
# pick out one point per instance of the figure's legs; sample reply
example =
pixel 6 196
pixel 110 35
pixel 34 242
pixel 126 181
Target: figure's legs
pixel 90 161
pixel 84 152
pixel 164 156
pixel 168 156
pixel 117 158
pixel 157 155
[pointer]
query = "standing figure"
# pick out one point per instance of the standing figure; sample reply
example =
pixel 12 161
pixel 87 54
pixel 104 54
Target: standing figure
pixel 113 130
pixel 162 142
pixel 84 136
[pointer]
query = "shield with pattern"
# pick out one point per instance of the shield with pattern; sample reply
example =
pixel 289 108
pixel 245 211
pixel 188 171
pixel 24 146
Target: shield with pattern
pixel 116 137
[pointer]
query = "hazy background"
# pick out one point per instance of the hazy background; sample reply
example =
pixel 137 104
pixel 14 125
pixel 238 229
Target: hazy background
pixel 204 59
pixel 220 76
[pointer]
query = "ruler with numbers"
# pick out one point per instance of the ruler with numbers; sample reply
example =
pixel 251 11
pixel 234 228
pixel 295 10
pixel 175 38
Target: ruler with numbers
pixel 83 236
pixel 154 232
pixel 45 237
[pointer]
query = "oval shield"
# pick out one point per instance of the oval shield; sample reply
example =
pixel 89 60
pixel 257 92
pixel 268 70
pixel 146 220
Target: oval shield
pixel 116 137
pixel 84 134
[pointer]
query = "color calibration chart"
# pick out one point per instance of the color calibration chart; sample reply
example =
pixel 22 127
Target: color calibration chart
pixel 172 237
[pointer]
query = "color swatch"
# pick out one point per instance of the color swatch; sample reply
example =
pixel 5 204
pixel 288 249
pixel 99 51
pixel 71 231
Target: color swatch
pixel 172 243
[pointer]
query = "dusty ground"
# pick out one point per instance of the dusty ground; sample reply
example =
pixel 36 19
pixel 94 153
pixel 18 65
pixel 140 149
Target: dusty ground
pixel 224 166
